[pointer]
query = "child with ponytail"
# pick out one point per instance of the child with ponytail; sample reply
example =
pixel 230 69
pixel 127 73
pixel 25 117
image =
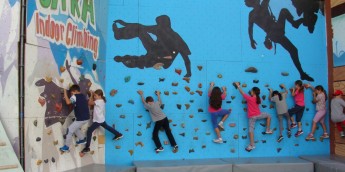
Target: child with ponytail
pixel 298 94
pixel 98 100
pixel 254 113
pixel 319 98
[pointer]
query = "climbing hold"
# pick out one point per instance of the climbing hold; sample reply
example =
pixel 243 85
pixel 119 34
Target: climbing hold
pixel 38 139
pixel 41 101
pixel 79 61
pixel 174 125
pixel 178 71
pixel 235 85
pixel 186 79
pixel 123 116
pixel 178 106
pixel 131 152
pixel 321 139
pixel 220 76
pixel 61 80
pixel 191 116
pixel 170 120
pixel 232 124
pixel 281 86
pixel 196 129
pixel 113 92
pixel 161 79
pixel 296 144
pixel 208 133
pixel 307 109
pixel 35 123
pixel 255 81
pixel 263 141
pixel 38 162
pixel 192 101
pixel 267 85
pixel 141 83
pixel 306 124
pixel 203 120
pixel 140 116
pixel 127 78
pixel 244 85
pixel 182 134
pixel 228 102
pixel 139 133
pixel 263 106
pixel 285 73
pixel 148 125
pixel 117 147
pixel 187 88
pixel 263 125
pixel 118 105
pixel 245 109
pixel 187 106
pixel 191 150
pixel 279 149
pixel 49 132
pixel 174 84
pixel 232 150
pixel 191 93
pixel 131 101
pixel 251 70
pixel 200 85
pixel 166 142
pixel 263 97
pixel 158 66
pixel 244 137
pixel 53 160
pixel 166 93
pixel 200 110
pixel 244 102
pixel 48 79
pixel 183 125
pixel 244 129
pixel 199 92
pixel 274 129
pixel 162 106
pixel 200 68
pixel 271 106
pixel 94 138
pixel 203 147
pixel 195 138
pixel 175 93
pixel 139 143
pixel 56 142
pixel 62 69
pixel 139 124
pixel 94 66
pixel 236 136
pixel 233 97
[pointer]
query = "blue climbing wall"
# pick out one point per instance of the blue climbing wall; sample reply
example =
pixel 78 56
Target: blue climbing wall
pixel 217 36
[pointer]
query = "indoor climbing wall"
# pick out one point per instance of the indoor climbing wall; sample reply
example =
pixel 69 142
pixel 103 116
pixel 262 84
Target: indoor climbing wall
pixel 9 37
pixel 179 47
pixel 65 46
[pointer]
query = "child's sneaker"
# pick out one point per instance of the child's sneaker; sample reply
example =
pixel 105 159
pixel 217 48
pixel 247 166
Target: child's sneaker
pixel 81 142
pixel 85 150
pixel 289 133
pixel 310 137
pixel 268 132
pixel 280 138
pixel 161 149
pixel 325 136
pixel 250 148
pixel 64 148
pixel 293 125
pixel 342 134
pixel 221 125
pixel 219 140
pixel 298 133
pixel 118 137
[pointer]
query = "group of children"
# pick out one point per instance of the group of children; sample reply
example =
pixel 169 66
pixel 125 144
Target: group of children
pixel 216 96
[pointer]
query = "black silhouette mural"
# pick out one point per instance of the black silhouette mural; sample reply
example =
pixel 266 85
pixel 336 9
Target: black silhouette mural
pixel 160 52
pixel 262 16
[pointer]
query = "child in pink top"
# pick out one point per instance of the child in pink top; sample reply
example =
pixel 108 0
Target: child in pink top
pixel 215 109
pixel 254 113
pixel 319 98
pixel 298 109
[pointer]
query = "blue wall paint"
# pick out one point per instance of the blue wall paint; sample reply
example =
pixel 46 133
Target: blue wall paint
pixel 217 36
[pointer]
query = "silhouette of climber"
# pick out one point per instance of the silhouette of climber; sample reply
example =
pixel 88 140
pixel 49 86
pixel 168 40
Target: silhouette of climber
pixel 160 52
pixel 262 16
pixel 309 9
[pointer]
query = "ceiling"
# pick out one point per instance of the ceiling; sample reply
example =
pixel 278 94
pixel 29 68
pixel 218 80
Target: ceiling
pixel 336 2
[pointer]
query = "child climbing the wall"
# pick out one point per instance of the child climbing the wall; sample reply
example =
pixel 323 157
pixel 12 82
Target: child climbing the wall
pixel 298 93
pixel 160 119
pixel 319 98
pixel 216 96
pixel 254 113
pixel 337 111
pixel 97 100
pixel 282 110
pixel 82 116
